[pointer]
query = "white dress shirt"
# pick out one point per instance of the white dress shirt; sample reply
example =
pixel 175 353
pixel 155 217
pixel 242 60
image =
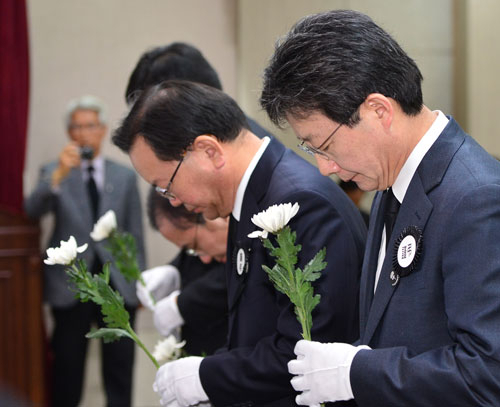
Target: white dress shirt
pixel 242 187
pixel 405 176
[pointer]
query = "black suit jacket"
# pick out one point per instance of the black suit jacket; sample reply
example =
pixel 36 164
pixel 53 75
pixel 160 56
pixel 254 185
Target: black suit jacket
pixel 202 304
pixel 263 328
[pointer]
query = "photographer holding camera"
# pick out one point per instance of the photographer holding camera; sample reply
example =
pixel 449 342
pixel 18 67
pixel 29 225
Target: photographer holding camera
pixel 78 188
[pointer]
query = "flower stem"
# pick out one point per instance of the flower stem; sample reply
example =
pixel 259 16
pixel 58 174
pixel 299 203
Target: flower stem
pixel 129 329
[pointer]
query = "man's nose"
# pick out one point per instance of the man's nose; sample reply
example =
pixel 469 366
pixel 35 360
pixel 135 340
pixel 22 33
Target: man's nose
pixel 326 166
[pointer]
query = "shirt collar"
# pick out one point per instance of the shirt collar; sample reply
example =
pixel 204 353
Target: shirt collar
pixel 240 193
pixel 98 173
pixel 409 168
pixel 97 163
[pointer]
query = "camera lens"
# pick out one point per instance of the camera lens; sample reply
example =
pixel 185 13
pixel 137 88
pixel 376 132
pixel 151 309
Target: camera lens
pixel 86 153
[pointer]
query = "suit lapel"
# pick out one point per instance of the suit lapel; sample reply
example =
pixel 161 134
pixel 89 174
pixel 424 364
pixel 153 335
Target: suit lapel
pixel 370 259
pixel 77 192
pixel 255 191
pixel 108 195
pixel 415 211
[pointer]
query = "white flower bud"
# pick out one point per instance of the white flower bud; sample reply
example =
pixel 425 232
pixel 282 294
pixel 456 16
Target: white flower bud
pixel 65 254
pixel 168 349
pixel 104 226
pixel 273 219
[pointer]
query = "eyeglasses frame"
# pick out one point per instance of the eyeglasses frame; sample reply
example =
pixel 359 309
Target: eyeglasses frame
pixel 165 192
pixel 318 150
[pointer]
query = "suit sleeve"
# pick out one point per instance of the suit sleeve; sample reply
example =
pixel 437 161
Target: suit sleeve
pixel 205 299
pixel 466 372
pixel 42 199
pixel 260 373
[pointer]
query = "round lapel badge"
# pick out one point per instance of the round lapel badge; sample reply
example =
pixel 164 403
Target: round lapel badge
pixel 241 261
pixel 407 251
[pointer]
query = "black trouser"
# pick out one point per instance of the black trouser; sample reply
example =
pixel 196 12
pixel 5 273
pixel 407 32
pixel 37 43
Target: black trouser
pixel 70 347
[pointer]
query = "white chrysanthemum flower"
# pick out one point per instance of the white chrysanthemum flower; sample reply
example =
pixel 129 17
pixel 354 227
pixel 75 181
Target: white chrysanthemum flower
pixel 104 226
pixel 273 219
pixel 168 349
pixel 65 254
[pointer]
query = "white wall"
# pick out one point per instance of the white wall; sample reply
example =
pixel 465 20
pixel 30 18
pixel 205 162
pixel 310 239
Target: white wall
pixel 482 81
pixel 90 47
pixel 422 27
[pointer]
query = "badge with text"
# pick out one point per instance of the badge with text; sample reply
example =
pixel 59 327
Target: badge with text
pixel 240 260
pixel 406 254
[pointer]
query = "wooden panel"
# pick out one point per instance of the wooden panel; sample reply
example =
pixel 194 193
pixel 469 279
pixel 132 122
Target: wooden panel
pixel 22 341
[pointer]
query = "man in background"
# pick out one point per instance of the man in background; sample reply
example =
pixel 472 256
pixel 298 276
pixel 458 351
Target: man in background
pixel 78 188
pixel 179 61
pixel 191 290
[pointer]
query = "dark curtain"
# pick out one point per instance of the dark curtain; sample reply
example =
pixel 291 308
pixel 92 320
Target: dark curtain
pixel 14 99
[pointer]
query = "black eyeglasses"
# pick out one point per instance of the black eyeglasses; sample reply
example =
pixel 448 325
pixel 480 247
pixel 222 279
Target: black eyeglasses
pixel 84 126
pixel 165 192
pixel 318 150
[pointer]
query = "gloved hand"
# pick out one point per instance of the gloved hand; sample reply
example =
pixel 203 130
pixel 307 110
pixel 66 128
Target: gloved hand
pixel 166 314
pixel 160 282
pixel 323 371
pixel 178 383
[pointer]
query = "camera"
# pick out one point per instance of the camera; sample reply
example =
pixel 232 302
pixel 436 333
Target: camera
pixel 86 153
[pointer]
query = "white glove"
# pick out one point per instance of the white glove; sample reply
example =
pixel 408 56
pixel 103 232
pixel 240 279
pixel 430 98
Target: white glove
pixel 178 383
pixel 166 314
pixel 323 371
pixel 160 282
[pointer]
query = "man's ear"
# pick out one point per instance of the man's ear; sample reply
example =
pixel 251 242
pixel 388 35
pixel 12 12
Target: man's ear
pixel 380 107
pixel 210 148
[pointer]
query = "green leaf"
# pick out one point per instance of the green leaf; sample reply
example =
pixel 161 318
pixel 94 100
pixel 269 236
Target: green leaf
pixel 108 334
pixel 278 277
pixel 123 248
pixel 293 282
pixel 313 268
pixel 112 305
pixel 97 289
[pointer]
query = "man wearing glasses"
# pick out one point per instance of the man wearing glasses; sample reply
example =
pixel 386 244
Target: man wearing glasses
pixel 190 292
pixel 193 143
pixel 430 309
pixel 77 189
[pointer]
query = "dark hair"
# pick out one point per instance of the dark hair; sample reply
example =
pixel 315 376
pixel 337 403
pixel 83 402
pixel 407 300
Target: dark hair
pixel 330 62
pixel 172 114
pixel 159 207
pixel 174 61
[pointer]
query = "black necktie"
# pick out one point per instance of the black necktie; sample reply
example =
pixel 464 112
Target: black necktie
pixel 93 193
pixel 94 202
pixel 391 212
pixel 233 226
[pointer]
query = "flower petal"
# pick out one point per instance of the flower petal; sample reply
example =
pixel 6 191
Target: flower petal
pixel 257 233
pixel 82 248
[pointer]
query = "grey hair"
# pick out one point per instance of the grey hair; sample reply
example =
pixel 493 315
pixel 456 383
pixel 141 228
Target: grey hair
pixel 86 102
